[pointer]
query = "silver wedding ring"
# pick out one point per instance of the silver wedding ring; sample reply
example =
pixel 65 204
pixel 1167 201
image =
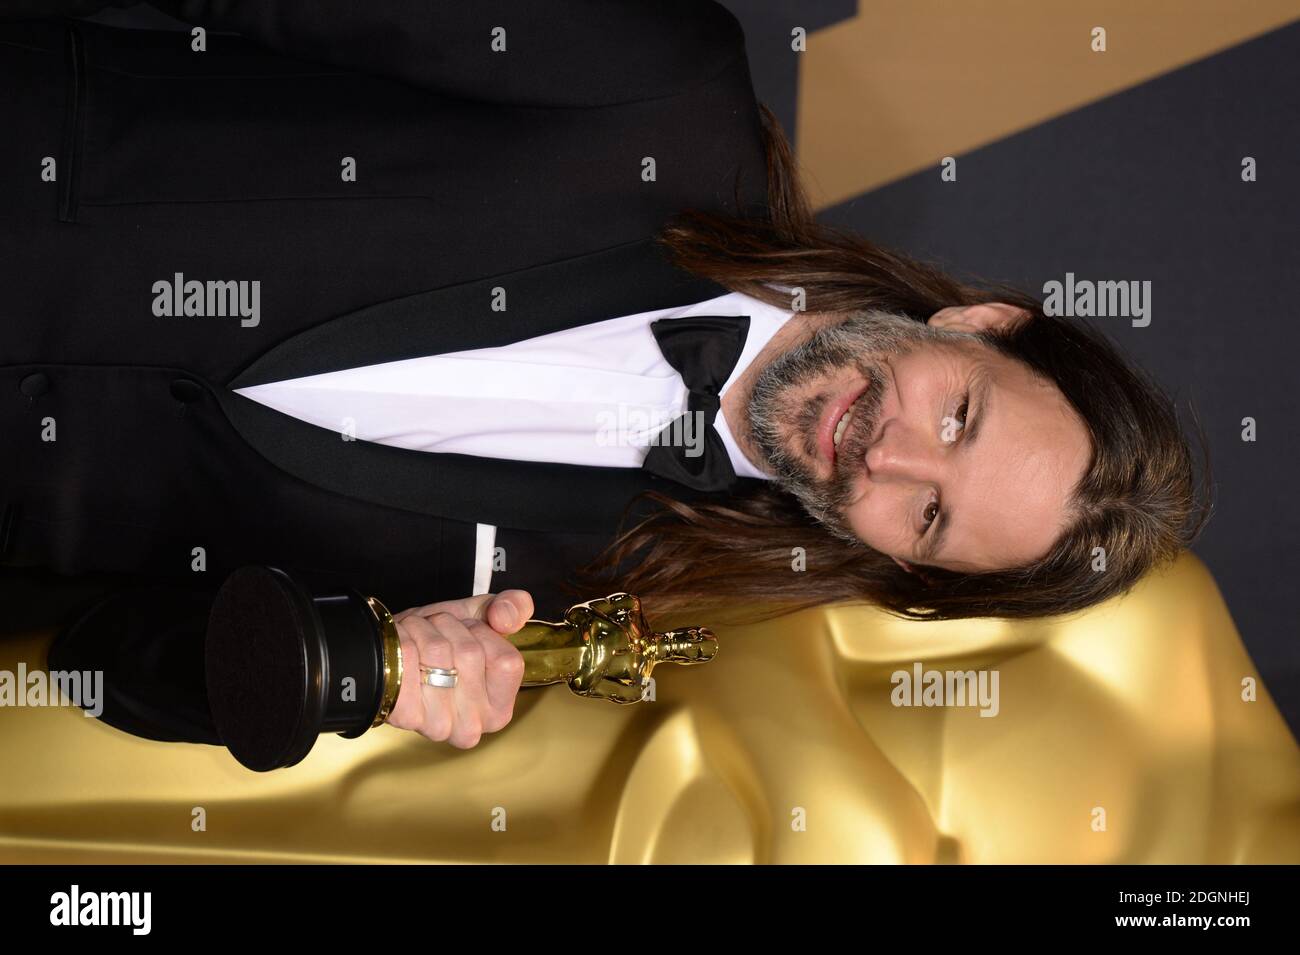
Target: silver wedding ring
pixel 437 676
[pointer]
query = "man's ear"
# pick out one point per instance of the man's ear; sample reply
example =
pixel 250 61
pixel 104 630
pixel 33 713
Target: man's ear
pixel 916 572
pixel 988 316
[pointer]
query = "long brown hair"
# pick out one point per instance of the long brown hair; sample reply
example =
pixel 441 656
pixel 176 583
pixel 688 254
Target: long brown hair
pixel 1139 500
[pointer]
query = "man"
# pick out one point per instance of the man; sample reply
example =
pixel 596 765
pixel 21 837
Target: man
pixel 356 287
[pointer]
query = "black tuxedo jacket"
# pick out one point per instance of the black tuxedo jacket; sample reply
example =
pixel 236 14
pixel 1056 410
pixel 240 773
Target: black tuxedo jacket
pixel 125 448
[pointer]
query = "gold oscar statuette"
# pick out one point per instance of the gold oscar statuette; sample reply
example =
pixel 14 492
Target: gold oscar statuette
pixel 604 649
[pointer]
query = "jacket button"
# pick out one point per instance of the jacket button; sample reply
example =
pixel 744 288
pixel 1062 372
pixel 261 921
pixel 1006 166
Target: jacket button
pixel 33 386
pixel 186 391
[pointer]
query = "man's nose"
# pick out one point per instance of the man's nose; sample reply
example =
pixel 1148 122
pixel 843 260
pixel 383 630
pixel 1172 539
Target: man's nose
pixel 904 453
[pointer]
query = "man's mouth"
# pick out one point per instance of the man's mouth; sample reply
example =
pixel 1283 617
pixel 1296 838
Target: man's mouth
pixel 836 421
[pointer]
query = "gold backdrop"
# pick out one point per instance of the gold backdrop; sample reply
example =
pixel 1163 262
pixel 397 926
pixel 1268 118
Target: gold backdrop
pixel 786 748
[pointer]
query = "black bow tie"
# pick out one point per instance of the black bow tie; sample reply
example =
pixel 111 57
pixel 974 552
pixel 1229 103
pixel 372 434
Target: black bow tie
pixel 704 350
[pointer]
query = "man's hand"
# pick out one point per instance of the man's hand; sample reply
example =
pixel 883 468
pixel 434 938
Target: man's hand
pixel 465 634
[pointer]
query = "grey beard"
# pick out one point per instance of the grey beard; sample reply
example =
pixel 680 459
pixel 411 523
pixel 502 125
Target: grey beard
pixel 862 341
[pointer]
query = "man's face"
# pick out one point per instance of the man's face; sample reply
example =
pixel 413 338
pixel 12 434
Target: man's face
pixel 949 454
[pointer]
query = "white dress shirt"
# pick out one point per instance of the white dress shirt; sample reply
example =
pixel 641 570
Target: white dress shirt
pixel 593 395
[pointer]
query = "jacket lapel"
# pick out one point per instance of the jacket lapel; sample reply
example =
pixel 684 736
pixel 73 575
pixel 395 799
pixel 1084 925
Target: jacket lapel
pixel 629 278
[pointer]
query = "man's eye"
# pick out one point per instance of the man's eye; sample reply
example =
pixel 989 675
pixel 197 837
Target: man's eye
pixel 931 512
pixel 963 411
pixel 955 424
